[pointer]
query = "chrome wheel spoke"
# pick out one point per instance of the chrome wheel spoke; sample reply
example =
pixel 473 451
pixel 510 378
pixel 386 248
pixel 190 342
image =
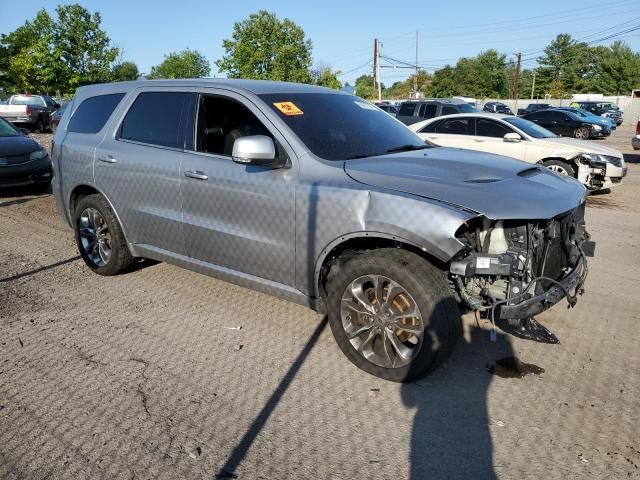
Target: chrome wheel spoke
pixel 389 351
pixel 368 342
pixel 393 291
pixel 358 330
pixel 361 297
pixel 416 330
pixel 404 352
pixel 95 238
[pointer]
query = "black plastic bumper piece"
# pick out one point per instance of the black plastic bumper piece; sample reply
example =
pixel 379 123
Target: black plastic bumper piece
pixel 572 283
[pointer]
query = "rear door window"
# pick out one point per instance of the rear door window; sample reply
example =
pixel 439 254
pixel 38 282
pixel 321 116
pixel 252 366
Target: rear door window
pixel 93 113
pixel 407 109
pixel 155 118
pixel 430 110
pixel 456 126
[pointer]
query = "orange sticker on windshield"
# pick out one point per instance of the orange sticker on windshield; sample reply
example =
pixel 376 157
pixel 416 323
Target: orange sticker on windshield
pixel 288 108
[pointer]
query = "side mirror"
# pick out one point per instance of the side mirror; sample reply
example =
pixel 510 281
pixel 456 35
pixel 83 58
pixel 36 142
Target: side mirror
pixel 254 150
pixel 512 137
pixel 56 105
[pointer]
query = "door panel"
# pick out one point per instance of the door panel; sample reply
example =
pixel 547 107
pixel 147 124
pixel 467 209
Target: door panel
pixel 240 216
pixel 138 167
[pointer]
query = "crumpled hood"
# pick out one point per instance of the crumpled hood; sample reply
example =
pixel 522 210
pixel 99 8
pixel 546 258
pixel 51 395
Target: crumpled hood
pixel 12 146
pixel 495 186
pixel 580 146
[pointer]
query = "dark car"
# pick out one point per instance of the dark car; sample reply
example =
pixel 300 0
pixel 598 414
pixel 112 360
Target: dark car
pixel 497 107
pixel 568 124
pixel 23 161
pixel 54 120
pixel 533 107
pixel 390 109
pixel 601 109
pixel 413 111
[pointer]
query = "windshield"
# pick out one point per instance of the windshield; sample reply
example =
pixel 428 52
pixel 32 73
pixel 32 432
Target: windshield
pixel 466 108
pixel 341 127
pixel 6 130
pixel 532 129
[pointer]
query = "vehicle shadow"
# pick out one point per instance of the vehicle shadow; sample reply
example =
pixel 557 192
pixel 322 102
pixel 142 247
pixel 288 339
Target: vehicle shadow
pixel 632 158
pixel 450 436
pixel 10 196
pixel 39 269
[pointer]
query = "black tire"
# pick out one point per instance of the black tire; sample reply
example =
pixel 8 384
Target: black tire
pixel 121 259
pixel 582 133
pixel 560 167
pixel 40 128
pixel 426 285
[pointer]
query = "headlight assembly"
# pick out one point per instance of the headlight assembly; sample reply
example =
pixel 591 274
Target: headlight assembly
pixel 38 154
pixel 596 127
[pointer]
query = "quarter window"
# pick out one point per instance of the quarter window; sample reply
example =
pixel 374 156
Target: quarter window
pixel 93 113
pixel 449 110
pixel 406 109
pixel 154 118
pixel 430 111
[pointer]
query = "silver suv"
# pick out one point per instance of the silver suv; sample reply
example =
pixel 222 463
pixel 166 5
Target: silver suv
pixel 323 199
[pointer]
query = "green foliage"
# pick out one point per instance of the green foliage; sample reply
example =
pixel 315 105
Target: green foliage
pixel 125 71
pixel 323 76
pixel 265 48
pixel 404 89
pixel 185 64
pixel 365 89
pixel 47 54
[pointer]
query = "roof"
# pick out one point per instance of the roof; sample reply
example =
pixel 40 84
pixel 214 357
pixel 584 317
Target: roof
pixel 255 86
pixel 499 116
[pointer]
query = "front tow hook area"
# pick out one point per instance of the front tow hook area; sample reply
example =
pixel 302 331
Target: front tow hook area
pixel 528 328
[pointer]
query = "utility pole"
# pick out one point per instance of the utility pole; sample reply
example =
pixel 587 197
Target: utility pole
pixel 533 85
pixel 415 78
pixel 376 67
pixel 516 84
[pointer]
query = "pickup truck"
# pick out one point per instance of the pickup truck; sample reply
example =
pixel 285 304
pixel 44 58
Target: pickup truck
pixel 32 111
pixel 533 107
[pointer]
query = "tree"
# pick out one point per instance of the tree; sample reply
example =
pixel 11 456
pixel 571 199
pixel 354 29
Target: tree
pixel 185 64
pixel 618 70
pixel 82 46
pixel 406 88
pixel 47 54
pixel 265 48
pixel 565 62
pixel 444 83
pixel 323 76
pixel 125 71
pixel 365 88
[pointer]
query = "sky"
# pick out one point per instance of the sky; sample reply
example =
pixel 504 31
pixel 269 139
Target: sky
pixel 343 31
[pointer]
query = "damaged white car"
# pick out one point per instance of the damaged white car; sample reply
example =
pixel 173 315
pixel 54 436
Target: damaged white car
pixel 596 166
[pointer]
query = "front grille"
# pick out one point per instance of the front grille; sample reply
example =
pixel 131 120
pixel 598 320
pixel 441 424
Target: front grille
pixel 14 160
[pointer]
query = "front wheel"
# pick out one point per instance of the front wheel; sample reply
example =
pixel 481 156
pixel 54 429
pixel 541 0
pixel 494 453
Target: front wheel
pixel 560 167
pixel 392 313
pixel 99 237
pixel 581 133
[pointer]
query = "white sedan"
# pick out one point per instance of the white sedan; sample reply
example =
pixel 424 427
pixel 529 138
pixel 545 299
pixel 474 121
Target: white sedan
pixel 596 166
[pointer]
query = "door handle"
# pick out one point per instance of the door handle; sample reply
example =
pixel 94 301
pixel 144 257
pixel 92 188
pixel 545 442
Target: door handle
pixel 198 175
pixel 108 159
pixel 477 140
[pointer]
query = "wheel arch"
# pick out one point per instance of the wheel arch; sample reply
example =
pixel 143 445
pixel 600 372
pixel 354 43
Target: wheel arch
pixel 82 190
pixel 569 161
pixel 359 242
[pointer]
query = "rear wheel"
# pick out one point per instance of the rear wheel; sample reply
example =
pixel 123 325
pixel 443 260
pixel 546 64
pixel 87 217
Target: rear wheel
pixel 392 313
pixel 582 133
pixel 560 167
pixel 99 237
pixel 40 128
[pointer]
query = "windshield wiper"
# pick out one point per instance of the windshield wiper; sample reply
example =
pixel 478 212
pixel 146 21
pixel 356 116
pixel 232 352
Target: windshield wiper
pixel 407 148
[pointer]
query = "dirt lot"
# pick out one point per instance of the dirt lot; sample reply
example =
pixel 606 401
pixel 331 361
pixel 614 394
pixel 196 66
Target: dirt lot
pixel 144 375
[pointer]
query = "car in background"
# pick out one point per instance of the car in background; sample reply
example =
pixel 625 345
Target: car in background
pixel 568 124
pixel 390 109
pixel 603 121
pixel 413 111
pixel 635 141
pixel 594 165
pixel 54 120
pixel 601 109
pixel 533 107
pixel 497 107
pixel 33 111
pixel 23 161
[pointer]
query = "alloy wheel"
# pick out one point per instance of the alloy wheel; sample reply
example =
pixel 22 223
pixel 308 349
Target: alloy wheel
pixel 558 169
pixel 95 237
pixel 382 321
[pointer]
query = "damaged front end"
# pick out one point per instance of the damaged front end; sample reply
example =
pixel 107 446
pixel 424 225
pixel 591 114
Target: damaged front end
pixel 512 270
pixel 592 170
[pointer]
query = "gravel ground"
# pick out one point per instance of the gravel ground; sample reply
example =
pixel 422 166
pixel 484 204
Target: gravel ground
pixel 144 375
